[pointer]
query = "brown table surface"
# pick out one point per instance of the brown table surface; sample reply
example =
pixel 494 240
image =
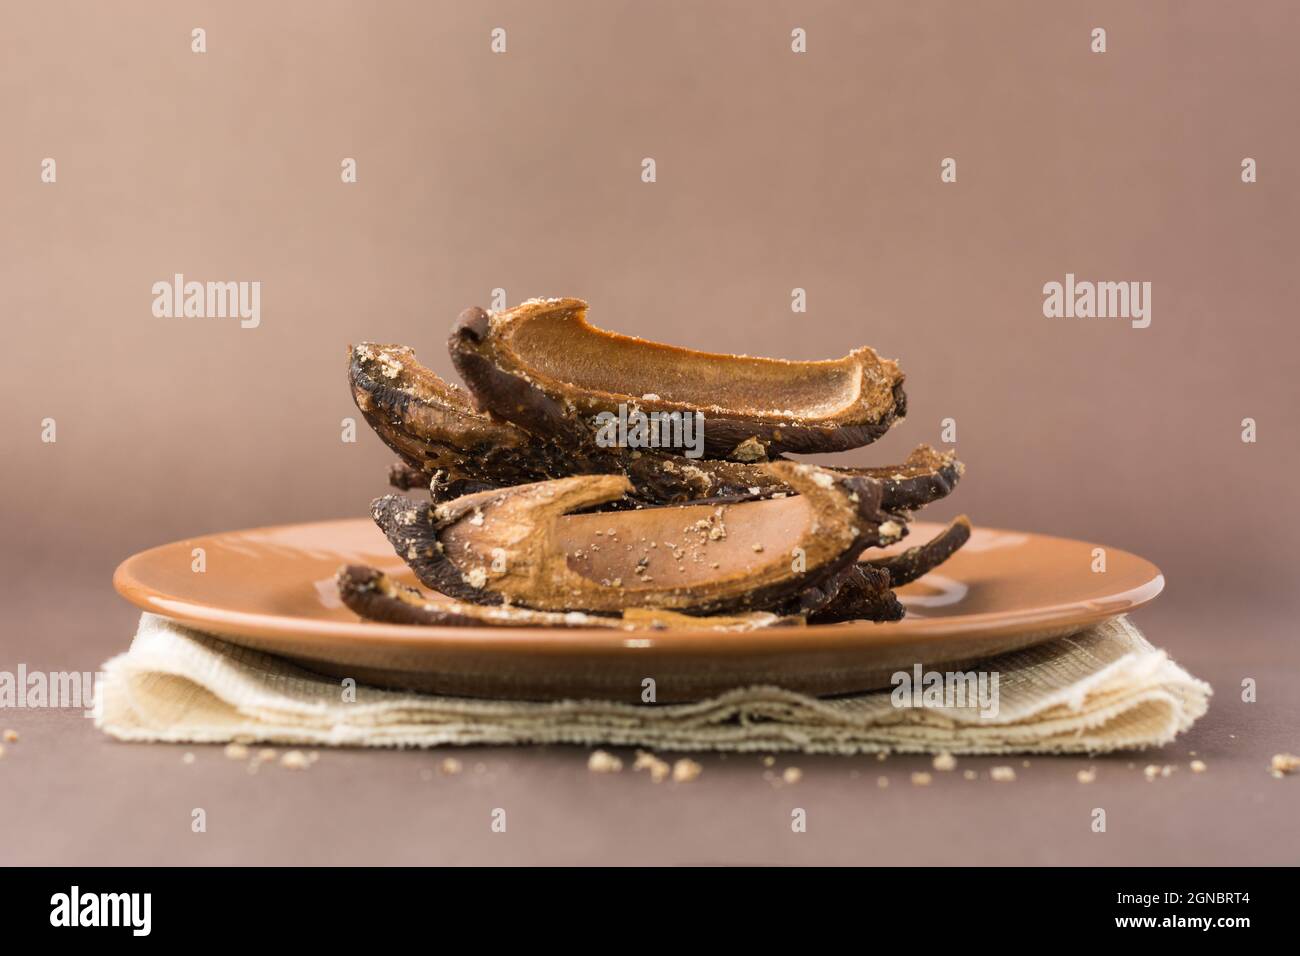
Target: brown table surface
pixel 69 795
pixel 819 171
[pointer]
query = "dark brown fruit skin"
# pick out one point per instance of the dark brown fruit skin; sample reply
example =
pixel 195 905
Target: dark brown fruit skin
pixel 914 562
pixel 862 593
pixel 656 481
pixel 403 477
pixel 440 485
pixel 474 323
pixel 517 400
pixel 412 529
pixel 360 590
pixel 506 395
pixel 927 475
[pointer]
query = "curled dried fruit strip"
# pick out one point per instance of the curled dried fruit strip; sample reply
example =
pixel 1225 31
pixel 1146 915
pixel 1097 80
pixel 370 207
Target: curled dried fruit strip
pixel 911 564
pixel 506 545
pixel 925 476
pixel 433 426
pixel 375 596
pixel 863 592
pixel 543 367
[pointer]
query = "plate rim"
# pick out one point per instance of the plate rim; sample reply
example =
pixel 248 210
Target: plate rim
pixel 595 641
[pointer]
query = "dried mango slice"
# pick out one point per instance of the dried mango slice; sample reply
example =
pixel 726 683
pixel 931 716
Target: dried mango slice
pixel 543 367
pixel 510 545
pixel 373 595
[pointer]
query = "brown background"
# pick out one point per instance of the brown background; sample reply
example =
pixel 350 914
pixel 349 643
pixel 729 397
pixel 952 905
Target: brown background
pixel 775 170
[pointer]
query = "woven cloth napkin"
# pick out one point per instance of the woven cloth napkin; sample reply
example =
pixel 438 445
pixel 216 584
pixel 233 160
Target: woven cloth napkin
pixel 1100 690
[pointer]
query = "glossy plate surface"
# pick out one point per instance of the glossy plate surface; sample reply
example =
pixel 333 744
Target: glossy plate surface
pixel 273 589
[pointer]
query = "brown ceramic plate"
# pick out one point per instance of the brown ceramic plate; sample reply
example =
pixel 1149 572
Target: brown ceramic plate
pixel 272 589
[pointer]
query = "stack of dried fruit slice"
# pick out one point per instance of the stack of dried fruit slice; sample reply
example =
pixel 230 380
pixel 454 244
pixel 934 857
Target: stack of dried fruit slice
pixel 588 479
